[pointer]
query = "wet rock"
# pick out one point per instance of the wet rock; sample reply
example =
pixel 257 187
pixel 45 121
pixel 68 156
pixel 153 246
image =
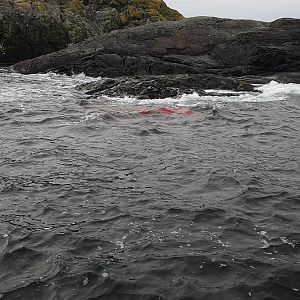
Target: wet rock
pixel 272 48
pixel 163 86
pixel 158 48
pixel 192 46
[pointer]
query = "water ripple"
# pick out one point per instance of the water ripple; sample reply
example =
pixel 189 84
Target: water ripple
pixel 100 201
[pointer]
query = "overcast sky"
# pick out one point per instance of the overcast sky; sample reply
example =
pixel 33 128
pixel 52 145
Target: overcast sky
pixel 267 10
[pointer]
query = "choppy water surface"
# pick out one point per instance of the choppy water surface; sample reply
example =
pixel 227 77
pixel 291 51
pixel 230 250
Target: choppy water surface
pixel 101 202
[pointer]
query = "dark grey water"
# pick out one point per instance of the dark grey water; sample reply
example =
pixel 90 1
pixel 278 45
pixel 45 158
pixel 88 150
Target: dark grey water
pixel 101 202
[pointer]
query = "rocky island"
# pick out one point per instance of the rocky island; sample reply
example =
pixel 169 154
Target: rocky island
pixel 170 171
pixel 209 52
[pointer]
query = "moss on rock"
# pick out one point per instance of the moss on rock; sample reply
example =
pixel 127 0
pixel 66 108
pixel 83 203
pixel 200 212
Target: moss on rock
pixel 30 28
pixel 25 36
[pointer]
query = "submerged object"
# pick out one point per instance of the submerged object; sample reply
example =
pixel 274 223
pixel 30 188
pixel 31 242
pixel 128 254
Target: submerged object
pixel 167 111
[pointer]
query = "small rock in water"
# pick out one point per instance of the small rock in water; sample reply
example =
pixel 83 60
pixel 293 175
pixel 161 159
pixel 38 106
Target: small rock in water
pixel 105 274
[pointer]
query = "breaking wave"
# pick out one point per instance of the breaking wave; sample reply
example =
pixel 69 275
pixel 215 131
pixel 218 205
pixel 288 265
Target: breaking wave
pixel 101 201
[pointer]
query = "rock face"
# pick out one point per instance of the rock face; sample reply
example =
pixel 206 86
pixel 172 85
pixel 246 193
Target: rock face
pixel 27 36
pixel 273 48
pixel 210 50
pixel 29 28
pixel 196 45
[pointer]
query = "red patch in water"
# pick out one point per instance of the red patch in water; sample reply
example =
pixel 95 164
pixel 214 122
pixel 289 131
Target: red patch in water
pixel 167 111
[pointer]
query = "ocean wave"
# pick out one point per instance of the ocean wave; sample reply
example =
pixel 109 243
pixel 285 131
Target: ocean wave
pixel 15 87
pixel 273 91
pixel 100 201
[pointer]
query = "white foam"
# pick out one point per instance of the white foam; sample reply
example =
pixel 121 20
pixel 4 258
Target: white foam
pixel 224 92
pixel 285 240
pixel 274 88
pixel 272 91
pixel 18 88
pixel 183 100
pixel 47 88
pixel 85 281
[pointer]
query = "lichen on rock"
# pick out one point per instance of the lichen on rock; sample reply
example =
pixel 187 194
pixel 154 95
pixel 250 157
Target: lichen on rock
pixel 30 28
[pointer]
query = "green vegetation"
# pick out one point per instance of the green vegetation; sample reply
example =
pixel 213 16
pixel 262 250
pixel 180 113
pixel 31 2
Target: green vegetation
pixel 30 28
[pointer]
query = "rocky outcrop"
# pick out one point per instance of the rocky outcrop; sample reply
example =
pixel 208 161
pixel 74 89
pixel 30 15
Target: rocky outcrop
pixel 27 36
pixel 272 48
pixel 159 87
pixel 29 28
pixel 210 50
pixel 194 46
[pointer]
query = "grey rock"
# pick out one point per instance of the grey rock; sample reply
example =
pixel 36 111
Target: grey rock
pixel 191 46
pixel 163 86
pixel 269 49
pixel 158 48
pixel 29 28
pixel 206 51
